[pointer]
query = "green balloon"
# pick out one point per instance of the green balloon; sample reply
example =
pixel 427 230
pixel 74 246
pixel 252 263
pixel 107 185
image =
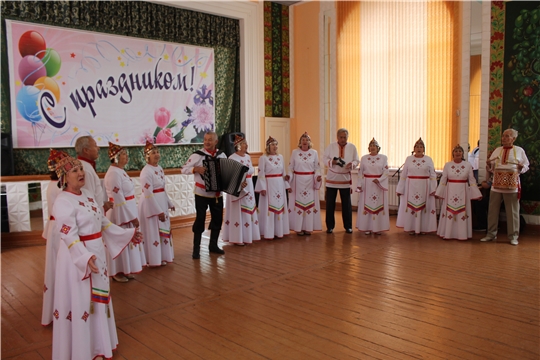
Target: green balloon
pixel 52 62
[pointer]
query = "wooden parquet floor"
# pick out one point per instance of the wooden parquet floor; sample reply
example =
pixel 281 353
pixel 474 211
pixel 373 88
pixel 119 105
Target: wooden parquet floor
pixel 337 296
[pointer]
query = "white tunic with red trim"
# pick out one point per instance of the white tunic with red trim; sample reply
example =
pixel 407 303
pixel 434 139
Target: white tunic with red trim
pixel 50 256
pixel 157 238
pixel 304 205
pixel 373 212
pixel 120 190
pixel 273 210
pixel 417 211
pixel 457 186
pixel 339 177
pixel 83 325
pixel 241 223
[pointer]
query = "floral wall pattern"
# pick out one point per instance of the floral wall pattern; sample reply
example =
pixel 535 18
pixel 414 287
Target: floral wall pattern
pixel 276 60
pixel 139 19
pixel 514 100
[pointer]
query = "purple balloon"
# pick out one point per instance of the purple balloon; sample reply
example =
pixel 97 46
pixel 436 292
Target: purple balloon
pixel 30 69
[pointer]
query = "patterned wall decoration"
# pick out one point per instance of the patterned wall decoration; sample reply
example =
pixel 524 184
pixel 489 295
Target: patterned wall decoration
pixel 514 99
pixel 276 60
pixel 141 19
pixel 521 94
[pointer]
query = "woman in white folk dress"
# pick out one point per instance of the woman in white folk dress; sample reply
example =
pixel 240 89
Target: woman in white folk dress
pixel 416 188
pixel 241 223
pixel 124 213
pixel 304 175
pixel 457 188
pixel 373 215
pixel 83 327
pixel 154 205
pixel 272 188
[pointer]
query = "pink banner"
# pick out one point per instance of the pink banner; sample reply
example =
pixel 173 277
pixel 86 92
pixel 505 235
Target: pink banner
pixel 67 83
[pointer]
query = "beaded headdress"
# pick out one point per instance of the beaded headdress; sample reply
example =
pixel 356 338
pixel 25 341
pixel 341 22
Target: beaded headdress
pixel 238 139
pixel 114 150
pixel 270 140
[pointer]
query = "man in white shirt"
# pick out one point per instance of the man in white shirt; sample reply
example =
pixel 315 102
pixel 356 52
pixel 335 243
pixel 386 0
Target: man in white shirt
pixel 88 152
pixel 340 158
pixel 506 163
pixel 474 159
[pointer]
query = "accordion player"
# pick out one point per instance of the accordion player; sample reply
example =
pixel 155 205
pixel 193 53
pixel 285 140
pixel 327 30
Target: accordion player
pixel 224 175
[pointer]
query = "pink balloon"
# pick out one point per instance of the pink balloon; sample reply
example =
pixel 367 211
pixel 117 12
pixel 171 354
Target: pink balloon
pixel 30 69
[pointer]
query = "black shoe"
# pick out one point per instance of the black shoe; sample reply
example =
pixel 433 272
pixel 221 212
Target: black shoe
pixel 195 256
pixel 348 231
pixel 216 251
pixel 329 231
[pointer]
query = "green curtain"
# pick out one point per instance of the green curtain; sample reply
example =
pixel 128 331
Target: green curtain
pixel 137 19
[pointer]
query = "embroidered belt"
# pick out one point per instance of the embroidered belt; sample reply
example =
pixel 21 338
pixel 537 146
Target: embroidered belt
pixel 51 218
pixel 418 177
pixel 373 176
pixel 130 197
pixel 304 173
pixel 274 175
pixel 457 181
pixel 200 185
pixel 338 182
pixel 90 237
pixel 248 176
pixel 158 190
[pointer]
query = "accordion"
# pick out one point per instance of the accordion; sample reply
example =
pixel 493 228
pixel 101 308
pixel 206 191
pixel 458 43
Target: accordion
pixel 224 175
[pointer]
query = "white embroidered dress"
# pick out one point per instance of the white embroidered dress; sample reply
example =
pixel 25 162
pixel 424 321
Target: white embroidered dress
pixel 50 256
pixel 457 187
pixel 84 325
pixel 273 210
pixel 120 190
pixel 417 211
pixel 304 204
pixel 241 222
pixel 373 212
pixel 157 238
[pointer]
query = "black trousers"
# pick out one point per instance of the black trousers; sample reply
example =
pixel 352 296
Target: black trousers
pixel 346 207
pixel 216 213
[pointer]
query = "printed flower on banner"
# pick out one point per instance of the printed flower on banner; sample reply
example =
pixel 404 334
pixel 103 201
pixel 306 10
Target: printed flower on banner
pixel 200 119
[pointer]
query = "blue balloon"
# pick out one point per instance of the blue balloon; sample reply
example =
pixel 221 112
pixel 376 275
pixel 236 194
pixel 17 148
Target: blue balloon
pixel 27 105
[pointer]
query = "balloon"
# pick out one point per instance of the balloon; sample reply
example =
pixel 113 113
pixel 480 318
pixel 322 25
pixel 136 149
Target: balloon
pixel 31 69
pixel 52 62
pixel 27 99
pixel 32 43
pixel 47 83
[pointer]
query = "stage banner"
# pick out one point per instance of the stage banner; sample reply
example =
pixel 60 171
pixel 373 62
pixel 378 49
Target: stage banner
pixel 67 83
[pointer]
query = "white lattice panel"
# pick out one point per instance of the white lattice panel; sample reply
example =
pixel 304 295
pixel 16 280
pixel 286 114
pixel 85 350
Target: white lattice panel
pixel 180 190
pixel 18 206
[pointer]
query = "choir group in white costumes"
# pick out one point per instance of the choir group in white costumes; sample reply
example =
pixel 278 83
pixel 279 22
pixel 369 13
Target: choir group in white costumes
pixel 154 205
pixel 304 176
pixel 121 191
pixel 417 213
pixel 373 215
pixel 51 248
pixel 241 223
pixel 80 238
pixel 272 188
pixel 83 326
pixel 457 188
